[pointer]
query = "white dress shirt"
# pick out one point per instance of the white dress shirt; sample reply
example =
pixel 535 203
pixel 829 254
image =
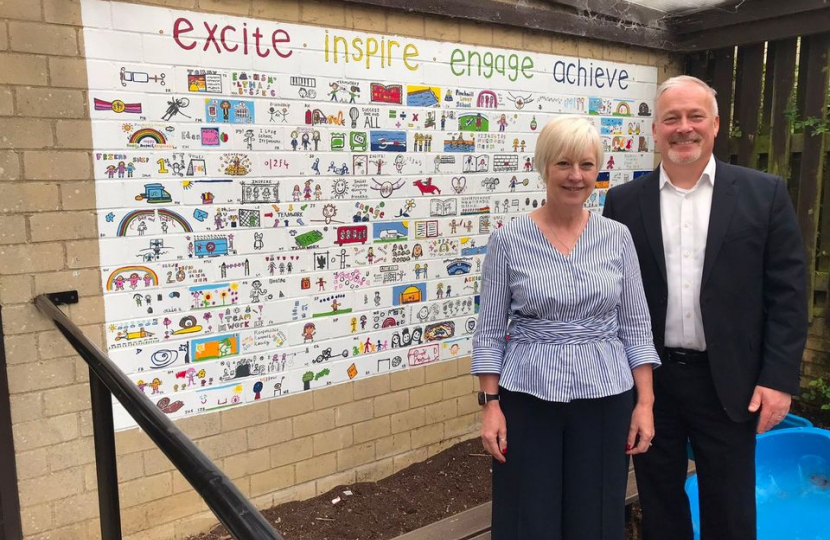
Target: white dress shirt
pixel 684 218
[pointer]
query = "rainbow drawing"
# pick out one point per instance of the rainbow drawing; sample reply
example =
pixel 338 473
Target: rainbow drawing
pixel 173 216
pixel 126 271
pixel 147 133
pixel 124 225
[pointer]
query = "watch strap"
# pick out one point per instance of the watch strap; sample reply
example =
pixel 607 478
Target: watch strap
pixel 484 398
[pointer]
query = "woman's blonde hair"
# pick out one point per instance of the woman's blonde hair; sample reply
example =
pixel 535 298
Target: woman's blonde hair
pixel 566 136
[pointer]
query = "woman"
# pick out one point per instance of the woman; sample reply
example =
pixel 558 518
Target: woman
pixel 579 338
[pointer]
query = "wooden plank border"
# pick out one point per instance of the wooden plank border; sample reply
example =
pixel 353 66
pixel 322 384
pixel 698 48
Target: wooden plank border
pixel 748 101
pixel 816 79
pixel 803 24
pixel 783 79
pixel 561 21
pixel 723 69
pixel 742 12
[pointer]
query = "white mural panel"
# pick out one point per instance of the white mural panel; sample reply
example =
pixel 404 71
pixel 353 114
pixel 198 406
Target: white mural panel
pixel 284 207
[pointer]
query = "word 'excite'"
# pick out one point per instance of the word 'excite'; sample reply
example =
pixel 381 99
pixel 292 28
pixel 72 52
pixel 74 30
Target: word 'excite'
pixel 227 37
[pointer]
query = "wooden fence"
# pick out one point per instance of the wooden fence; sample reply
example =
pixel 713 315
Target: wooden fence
pixel 773 101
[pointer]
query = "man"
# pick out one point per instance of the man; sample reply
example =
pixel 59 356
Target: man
pixel 723 267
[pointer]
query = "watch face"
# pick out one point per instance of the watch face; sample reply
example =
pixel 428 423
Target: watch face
pixel 481 398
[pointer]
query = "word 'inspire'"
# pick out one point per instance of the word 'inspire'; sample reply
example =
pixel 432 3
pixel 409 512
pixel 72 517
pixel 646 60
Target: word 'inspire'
pixel 366 49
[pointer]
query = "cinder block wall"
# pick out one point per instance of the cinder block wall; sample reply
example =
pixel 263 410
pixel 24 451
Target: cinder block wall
pixel 290 448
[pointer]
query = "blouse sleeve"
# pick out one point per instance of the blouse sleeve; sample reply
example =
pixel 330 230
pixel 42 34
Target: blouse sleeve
pixel 635 322
pixel 489 340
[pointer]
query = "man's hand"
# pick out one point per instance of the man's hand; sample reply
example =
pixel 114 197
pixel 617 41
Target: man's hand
pixel 773 404
pixel 494 431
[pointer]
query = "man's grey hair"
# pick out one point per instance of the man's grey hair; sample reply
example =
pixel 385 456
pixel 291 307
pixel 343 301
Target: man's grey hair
pixel 680 80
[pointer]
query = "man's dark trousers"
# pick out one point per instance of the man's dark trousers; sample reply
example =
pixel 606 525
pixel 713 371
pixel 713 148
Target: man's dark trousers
pixel 754 311
pixel 686 405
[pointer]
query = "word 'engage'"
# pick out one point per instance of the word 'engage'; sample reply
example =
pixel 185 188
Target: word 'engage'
pixel 488 64
pixel 369 48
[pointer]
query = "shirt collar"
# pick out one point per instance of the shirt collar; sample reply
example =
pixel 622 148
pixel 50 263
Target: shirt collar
pixel 708 174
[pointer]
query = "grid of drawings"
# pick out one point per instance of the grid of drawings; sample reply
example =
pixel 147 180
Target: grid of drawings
pixel 269 228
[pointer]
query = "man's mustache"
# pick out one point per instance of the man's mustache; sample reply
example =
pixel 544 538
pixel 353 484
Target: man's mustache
pixel 684 138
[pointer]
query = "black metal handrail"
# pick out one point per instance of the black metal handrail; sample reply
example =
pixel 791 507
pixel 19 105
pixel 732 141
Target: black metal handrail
pixel 229 505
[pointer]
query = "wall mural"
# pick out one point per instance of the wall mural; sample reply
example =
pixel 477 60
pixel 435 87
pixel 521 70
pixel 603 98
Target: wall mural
pixel 285 207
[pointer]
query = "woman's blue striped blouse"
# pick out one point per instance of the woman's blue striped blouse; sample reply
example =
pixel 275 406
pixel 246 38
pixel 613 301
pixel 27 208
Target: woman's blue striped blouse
pixel 577 325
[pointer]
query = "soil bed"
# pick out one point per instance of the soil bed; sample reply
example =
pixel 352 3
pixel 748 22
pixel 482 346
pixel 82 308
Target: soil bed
pixel 455 480
pixel 450 482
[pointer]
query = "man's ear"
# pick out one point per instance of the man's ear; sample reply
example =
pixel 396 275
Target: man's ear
pixel 717 124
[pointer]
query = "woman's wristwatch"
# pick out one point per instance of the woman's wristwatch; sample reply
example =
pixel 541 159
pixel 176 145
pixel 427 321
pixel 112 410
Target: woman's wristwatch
pixel 484 398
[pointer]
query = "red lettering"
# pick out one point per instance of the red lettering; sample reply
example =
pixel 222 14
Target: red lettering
pixel 245 37
pixel 227 38
pixel 258 35
pixel 284 38
pixel 211 37
pixel 222 37
pixel 177 31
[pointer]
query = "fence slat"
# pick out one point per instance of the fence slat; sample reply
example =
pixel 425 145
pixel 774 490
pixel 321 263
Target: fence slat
pixel 724 63
pixel 766 111
pixel 803 53
pixel 783 80
pixel 822 284
pixel 748 101
pixel 815 78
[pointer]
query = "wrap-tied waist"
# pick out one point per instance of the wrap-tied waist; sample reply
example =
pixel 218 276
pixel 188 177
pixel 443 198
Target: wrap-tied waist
pixel 588 330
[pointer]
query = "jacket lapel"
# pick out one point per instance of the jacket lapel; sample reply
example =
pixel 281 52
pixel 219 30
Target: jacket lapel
pixel 650 210
pixel 723 205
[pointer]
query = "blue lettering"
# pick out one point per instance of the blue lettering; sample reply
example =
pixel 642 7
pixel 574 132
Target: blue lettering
pixel 559 71
pixel 623 77
pixel 588 75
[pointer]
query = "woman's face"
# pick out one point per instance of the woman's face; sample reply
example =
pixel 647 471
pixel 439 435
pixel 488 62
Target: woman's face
pixel 571 179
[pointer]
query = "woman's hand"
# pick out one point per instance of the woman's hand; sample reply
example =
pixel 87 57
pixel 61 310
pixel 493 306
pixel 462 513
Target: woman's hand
pixel 494 431
pixel 641 431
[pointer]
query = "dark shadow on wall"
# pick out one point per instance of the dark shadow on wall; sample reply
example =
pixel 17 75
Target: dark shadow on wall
pixel 9 502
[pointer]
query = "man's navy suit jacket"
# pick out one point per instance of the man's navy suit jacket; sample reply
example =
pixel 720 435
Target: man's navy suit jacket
pixel 753 295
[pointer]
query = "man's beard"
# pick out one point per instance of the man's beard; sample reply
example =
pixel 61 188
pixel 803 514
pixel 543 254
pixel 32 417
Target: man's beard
pixel 683 158
pixel 679 158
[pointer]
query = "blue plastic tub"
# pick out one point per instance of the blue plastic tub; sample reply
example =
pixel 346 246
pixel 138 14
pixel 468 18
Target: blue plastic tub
pixel 789 421
pixel 792 489
pixel 793 421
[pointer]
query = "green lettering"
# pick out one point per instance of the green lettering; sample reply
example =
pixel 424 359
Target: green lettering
pixel 527 63
pixel 488 64
pixel 499 64
pixel 513 64
pixel 453 60
pixel 470 62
